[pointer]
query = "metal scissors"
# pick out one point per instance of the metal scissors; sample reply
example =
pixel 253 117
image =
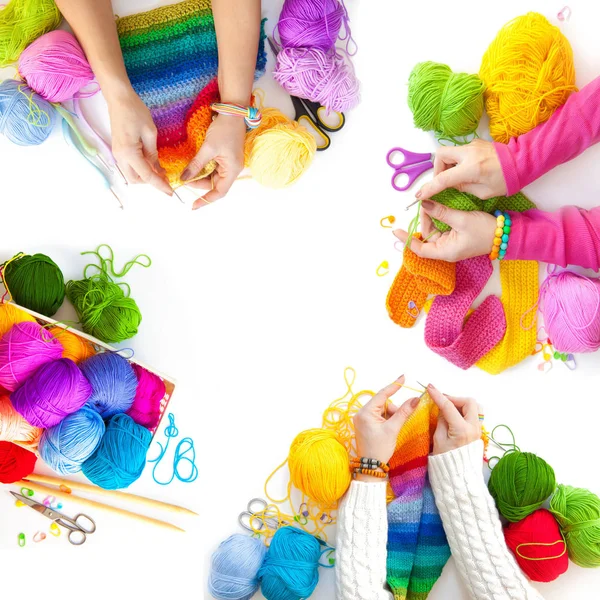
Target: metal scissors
pixel 312 115
pixel 77 532
pixel 413 165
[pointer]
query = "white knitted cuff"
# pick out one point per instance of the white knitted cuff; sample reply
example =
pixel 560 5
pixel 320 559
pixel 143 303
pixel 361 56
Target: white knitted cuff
pixel 466 461
pixel 366 495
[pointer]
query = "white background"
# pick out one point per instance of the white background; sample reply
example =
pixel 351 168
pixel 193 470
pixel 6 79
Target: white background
pixel 256 304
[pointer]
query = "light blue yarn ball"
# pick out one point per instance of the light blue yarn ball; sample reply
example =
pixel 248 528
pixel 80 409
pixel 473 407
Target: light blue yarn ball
pixel 114 383
pixel 66 446
pixel 291 568
pixel 234 568
pixel 26 118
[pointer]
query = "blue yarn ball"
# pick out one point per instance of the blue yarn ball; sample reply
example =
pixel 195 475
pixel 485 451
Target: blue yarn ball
pixel 291 568
pixel 234 568
pixel 66 446
pixel 26 118
pixel 114 383
pixel 121 455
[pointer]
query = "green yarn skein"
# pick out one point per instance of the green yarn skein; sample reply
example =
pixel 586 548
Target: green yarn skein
pixel 577 510
pixel 451 104
pixel 35 282
pixel 520 483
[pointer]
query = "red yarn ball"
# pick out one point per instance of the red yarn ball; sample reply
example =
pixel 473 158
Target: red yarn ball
pixel 15 462
pixel 542 531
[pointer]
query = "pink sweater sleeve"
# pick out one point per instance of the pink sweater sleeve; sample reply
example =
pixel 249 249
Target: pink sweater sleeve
pixel 570 236
pixel 571 129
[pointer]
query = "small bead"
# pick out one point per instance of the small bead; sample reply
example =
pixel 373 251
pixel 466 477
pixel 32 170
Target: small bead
pixel 505 237
pixel 503 246
pixel 501 254
pixel 497 241
pixel 497 213
pixel 499 232
pixel 507 229
pixel 493 256
pixel 507 220
pixel 500 219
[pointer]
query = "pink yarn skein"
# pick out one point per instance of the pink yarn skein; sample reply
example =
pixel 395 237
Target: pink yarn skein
pixel 24 348
pixel 145 409
pixel 56 390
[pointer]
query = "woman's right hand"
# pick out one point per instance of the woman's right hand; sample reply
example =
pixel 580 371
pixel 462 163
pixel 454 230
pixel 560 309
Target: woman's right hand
pixel 458 422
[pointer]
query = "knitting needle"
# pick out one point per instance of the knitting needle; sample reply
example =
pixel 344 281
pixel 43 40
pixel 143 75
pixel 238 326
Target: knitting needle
pixel 178 196
pixel 85 487
pixel 412 204
pixel 43 489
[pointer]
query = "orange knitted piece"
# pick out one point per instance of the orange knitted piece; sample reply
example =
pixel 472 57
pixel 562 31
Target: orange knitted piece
pixel 417 278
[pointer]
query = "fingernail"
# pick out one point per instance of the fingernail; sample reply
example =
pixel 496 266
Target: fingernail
pixel 431 386
pixel 187 174
pixel 418 194
pixel 428 204
pixel 400 377
pixel 414 402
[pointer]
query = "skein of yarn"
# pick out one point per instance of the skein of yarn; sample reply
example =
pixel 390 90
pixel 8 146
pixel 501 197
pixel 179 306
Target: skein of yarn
pixel 54 391
pixel 21 22
pixel 291 567
pixel 23 349
pixel 150 391
pixel 528 72
pixel 234 568
pixel 520 483
pixel 26 119
pixel 120 458
pixel 75 347
pixel 14 428
pixel 10 315
pixel 113 383
pixel 278 151
pixel 570 304
pixel 448 103
pixel 15 462
pixel 578 512
pixel 35 282
pixel 66 446
pixel 538 546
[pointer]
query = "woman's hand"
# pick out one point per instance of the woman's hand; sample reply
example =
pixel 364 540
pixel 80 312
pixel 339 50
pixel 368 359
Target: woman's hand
pixel 474 168
pixel 378 423
pixel 472 233
pixel 224 143
pixel 458 423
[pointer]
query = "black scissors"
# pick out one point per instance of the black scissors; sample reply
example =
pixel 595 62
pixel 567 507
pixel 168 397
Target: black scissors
pixel 312 116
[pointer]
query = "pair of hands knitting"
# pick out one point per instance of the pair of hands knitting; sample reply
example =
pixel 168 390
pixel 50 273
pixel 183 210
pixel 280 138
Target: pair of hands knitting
pixel 475 169
pixel 379 422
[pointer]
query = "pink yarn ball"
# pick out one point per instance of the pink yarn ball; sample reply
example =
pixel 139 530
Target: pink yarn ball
pixel 323 77
pixel 54 391
pixel 145 409
pixel 23 349
pixel 570 304
pixel 56 67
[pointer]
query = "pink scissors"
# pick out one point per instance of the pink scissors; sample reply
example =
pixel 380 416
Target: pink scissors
pixel 412 164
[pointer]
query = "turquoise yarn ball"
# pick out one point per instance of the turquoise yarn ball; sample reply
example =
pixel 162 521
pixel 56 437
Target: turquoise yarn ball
pixel 66 446
pixel 234 568
pixel 291 568
pixel 121 455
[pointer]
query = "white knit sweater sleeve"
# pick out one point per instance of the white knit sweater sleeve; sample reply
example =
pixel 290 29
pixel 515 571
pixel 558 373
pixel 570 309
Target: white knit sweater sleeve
pixel 360 549
pixel 473 527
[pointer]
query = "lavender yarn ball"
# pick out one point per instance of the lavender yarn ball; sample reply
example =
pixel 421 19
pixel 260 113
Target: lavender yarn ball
pixel 54 391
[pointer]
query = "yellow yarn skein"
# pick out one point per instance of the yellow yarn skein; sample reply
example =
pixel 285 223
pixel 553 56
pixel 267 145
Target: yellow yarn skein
pixel 528 72
pixel 10 315
pixel 278 151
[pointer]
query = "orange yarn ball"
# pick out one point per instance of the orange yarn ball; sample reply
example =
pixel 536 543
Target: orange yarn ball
pixel 538 546
pixel 14 428
pixel 9 315
pixel 76 348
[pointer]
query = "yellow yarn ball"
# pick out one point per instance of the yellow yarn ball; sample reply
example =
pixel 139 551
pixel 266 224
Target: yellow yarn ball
pixel 528 72
pixel 10 315
pixel 76 348
pixel 320 466
pixel 278 151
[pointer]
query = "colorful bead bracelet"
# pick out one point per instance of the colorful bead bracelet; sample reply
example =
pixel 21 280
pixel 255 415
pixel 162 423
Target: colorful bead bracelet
pixel 251 115
pixel 369 466
pixel 501 235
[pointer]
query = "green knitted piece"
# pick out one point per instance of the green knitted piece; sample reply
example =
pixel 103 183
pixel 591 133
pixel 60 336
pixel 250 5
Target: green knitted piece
pixel 463 201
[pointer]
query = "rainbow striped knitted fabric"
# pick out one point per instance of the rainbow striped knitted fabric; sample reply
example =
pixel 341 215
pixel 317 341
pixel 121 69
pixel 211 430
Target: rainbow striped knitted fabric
pixel 417 545
pixel 171 58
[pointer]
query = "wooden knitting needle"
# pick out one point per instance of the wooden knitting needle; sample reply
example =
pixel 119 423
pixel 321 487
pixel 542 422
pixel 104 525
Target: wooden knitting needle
pixel 43 489
pixel 85 487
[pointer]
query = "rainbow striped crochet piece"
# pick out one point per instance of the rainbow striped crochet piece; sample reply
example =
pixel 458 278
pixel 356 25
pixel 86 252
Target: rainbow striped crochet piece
pixel 417 545
pixel 171 58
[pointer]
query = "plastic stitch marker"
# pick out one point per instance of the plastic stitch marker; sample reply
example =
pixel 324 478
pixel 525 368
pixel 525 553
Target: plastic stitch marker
pixel 401 249
pixel 388 221
pixel 21 540
pixel 26 492
pixel 545 366
pixel 386 269
pixel 40 536
pixel 55 530
pixel 18 504
pixel 564 14
pixel 412 310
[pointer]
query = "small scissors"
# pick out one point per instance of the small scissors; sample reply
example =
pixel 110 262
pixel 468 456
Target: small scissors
pixel 77 532
pixel 310 114
pixel 412 164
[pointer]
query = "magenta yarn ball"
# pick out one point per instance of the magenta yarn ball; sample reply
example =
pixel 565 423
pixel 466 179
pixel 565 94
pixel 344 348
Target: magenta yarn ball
pixel 150 391
pixel 55 390
pixel 24 348
pixel 55 66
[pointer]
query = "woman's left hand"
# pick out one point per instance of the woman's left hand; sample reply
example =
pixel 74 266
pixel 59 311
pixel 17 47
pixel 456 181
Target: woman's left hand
pixel 224 143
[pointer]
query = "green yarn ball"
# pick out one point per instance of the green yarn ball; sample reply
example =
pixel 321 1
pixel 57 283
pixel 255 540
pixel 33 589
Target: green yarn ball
pixel 103 308
pixel 578 513
pixel 451 104
pixel 35 282
pixel 520 483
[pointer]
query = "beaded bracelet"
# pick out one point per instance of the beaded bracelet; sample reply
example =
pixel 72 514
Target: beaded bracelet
pixel 251 115
pixel 369 466
pixel 501 235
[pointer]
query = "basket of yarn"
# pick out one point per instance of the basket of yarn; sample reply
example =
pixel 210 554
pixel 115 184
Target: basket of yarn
pixel 15 462
pixel 74 346
pixel 528 73
pixel 149 394
pixel 10 315
pixel 14 428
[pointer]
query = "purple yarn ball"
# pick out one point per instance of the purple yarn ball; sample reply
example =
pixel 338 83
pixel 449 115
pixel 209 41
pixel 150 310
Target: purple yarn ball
pixel 54 391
